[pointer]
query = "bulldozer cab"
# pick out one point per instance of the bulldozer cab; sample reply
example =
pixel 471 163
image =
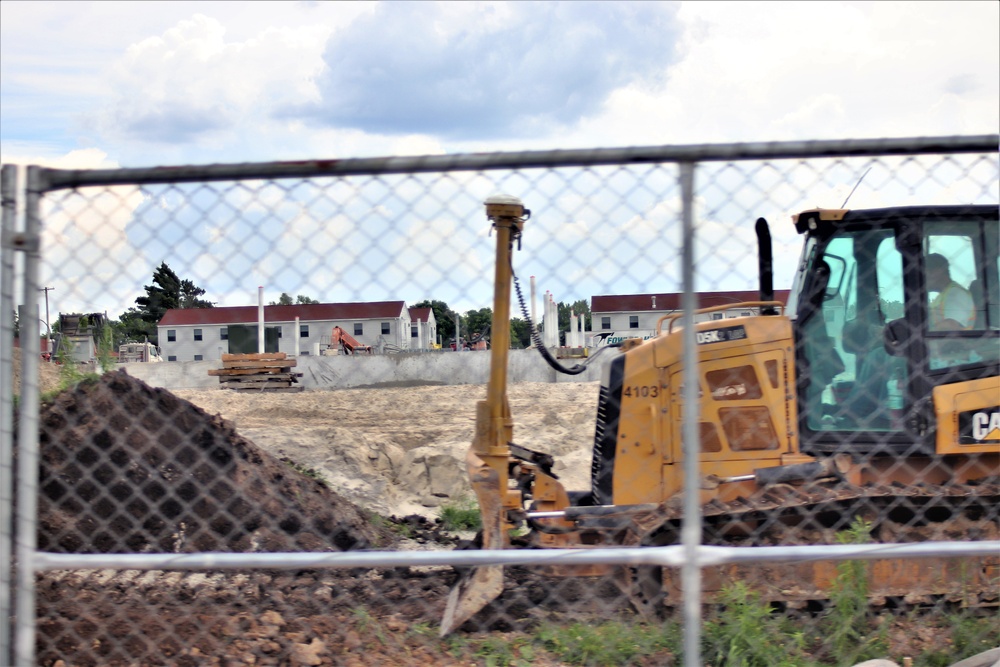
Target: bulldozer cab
pixel 888 305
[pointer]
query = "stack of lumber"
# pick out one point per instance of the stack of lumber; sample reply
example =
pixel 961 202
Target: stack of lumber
pixel 257 372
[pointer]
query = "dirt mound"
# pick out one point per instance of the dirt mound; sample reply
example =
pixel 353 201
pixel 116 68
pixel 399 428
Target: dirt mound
pixel 127 468
pixel 130 468
pixel 48 374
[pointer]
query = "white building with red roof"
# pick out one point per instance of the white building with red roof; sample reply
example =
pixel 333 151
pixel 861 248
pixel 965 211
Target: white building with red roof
pixel 203 334
pixel 617 317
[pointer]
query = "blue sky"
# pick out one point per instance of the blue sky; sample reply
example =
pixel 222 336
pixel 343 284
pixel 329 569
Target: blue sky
pixel 93 84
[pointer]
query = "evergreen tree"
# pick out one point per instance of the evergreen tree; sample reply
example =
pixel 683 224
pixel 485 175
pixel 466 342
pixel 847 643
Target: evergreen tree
pixel 167 292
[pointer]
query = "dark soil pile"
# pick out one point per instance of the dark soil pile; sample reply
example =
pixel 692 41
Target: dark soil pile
pixel 126 468
pixel 129 469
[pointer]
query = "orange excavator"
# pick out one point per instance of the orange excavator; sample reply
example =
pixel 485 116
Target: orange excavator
pixel 341 340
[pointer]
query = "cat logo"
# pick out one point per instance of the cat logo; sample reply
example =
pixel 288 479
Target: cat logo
pixel 979 426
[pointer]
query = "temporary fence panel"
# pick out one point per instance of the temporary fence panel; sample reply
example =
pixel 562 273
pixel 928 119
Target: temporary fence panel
pixel 147 531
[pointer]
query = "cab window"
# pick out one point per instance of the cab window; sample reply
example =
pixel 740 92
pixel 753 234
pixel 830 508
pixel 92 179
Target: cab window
pixel 960 267
pixel 851 377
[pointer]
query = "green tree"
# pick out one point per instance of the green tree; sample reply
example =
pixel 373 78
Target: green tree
pixel 286 300
pixel 520 335
pixel 131 327
pixel 579 307
pixel 167 292
pixel 444 315
pixel 477 321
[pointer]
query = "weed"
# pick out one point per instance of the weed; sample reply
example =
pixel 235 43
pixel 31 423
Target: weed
pixel 505 652
pixel 423 629
pixel 374 518
pixel 105 345
pixel 611 643
pixel 970 635
pixel 746 633
pixel 849 621
pixel 462 514
pixel 518 532
pixel 69 370
pixel 311 473
pixel 367 623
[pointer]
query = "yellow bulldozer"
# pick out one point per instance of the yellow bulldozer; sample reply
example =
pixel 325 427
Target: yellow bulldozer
pixel 873 392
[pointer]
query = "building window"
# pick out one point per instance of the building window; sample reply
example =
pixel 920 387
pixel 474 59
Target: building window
pixel 303 331
pixel 414 331
pixel 171 335
pixel 224 333
pixel 633 321
pixel 197 334
pixel 385 328
pixel 717 316
pixel 198 357
pixel 278 329
pixel 359 329
pixel 606 323
pixel 746 313
pixel 171 357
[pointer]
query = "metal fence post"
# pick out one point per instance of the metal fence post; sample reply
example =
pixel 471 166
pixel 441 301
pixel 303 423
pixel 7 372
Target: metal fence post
pixel 8 186
pixel 27 469
pixel 691 528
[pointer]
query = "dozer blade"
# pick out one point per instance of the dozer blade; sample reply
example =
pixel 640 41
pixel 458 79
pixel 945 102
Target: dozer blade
pixel 481 585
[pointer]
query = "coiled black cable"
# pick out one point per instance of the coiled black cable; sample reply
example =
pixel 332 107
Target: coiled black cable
pixel 537 339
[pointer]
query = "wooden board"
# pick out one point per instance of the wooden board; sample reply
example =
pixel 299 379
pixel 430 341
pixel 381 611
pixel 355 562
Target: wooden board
pixel 222 372
pixel 263 375
pixel 273 363
pixel 265 389
pixel 266 356
pixel 242 385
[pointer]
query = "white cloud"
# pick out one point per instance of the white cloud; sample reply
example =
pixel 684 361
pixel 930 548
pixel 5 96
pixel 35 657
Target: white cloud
pixel 87 256
pixel 773 71
pixel 191 80
pixel 182 83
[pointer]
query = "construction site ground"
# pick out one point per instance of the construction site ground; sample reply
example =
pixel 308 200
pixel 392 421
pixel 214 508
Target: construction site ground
pixel 373 468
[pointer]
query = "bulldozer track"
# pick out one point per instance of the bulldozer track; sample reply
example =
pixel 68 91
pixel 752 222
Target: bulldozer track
pixel 783 514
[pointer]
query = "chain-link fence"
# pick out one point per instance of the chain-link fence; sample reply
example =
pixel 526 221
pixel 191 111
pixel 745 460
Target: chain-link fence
pixel 146 531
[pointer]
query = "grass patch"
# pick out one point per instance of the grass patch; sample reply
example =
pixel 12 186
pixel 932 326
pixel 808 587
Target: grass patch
pixel 611 643
pixel 461 514
pixel 742 632
pixel 970 635
pixel 311 473
pixel 747 633
pixel 505 652
pixel 381 522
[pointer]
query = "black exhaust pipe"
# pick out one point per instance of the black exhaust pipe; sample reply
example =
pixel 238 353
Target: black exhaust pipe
pixel 765 265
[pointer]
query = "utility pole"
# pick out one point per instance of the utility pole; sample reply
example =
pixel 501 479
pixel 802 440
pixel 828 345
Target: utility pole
pixel 48 327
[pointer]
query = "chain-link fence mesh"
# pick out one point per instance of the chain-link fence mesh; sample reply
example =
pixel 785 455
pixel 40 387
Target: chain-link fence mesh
pixel 126 468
